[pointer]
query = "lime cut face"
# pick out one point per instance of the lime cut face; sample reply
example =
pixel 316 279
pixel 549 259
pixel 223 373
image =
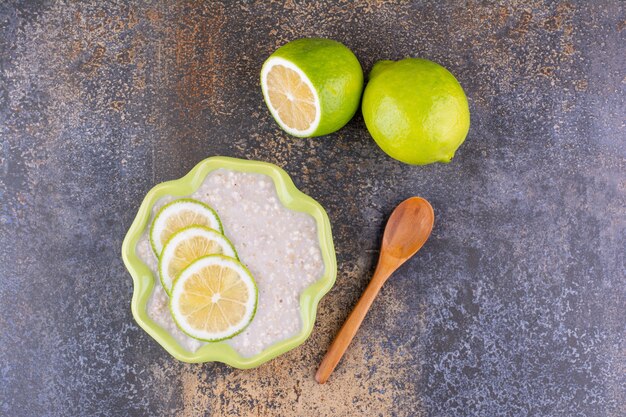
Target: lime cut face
pixel 291 97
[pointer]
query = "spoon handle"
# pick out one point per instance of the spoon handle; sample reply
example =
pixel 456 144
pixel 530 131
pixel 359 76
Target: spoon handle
pixel 348 330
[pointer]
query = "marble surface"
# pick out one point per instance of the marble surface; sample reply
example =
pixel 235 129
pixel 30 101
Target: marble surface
pixel 515 306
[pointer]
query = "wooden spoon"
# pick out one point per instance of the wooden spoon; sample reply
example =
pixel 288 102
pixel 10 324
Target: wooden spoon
pixel 406 232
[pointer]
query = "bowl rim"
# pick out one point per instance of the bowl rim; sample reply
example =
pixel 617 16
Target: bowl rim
pixel 144 281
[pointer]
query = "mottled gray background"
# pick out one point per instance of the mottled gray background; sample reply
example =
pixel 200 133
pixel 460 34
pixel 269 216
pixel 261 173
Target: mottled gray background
pixel 515 306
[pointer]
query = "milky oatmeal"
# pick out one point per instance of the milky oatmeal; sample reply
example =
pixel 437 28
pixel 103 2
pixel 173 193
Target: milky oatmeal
pixel 279 246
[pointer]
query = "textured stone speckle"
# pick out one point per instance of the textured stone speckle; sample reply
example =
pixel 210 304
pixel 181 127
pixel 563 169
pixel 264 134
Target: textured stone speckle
pixel 514 307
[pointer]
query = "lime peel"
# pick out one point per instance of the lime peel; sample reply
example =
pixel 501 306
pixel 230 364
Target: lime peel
pixel 415 110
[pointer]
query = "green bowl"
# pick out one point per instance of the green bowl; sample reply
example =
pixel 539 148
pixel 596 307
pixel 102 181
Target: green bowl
pixel 144 280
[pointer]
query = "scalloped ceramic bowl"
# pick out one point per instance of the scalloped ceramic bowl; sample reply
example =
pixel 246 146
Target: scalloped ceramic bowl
pixel 144 280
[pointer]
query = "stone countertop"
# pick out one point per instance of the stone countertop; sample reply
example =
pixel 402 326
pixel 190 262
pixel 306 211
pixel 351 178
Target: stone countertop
pixel 514 307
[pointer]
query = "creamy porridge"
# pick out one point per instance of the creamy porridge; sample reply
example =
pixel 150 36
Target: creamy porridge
pixel 279 246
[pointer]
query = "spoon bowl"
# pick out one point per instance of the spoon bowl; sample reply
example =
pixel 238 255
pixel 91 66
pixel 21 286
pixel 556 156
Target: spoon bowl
pixel 407 230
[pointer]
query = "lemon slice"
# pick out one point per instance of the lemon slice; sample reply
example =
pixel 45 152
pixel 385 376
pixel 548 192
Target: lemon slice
pixel 187 245
pixel 214 298
pixel 290 96
pixel 178 214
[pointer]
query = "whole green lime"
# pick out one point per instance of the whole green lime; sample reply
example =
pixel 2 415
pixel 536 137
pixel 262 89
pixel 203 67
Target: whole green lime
pixel 415 110
pixel 312 86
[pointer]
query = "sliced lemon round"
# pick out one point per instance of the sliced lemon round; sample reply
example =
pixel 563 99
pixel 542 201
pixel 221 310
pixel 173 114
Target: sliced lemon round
pixel 214 298
pixel 178 214
pixel 187 245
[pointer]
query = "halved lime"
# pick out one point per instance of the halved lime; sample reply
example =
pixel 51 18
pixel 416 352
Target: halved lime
pixel 214 298
pixel 312 87
pixel 187 245
pixel 178 214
